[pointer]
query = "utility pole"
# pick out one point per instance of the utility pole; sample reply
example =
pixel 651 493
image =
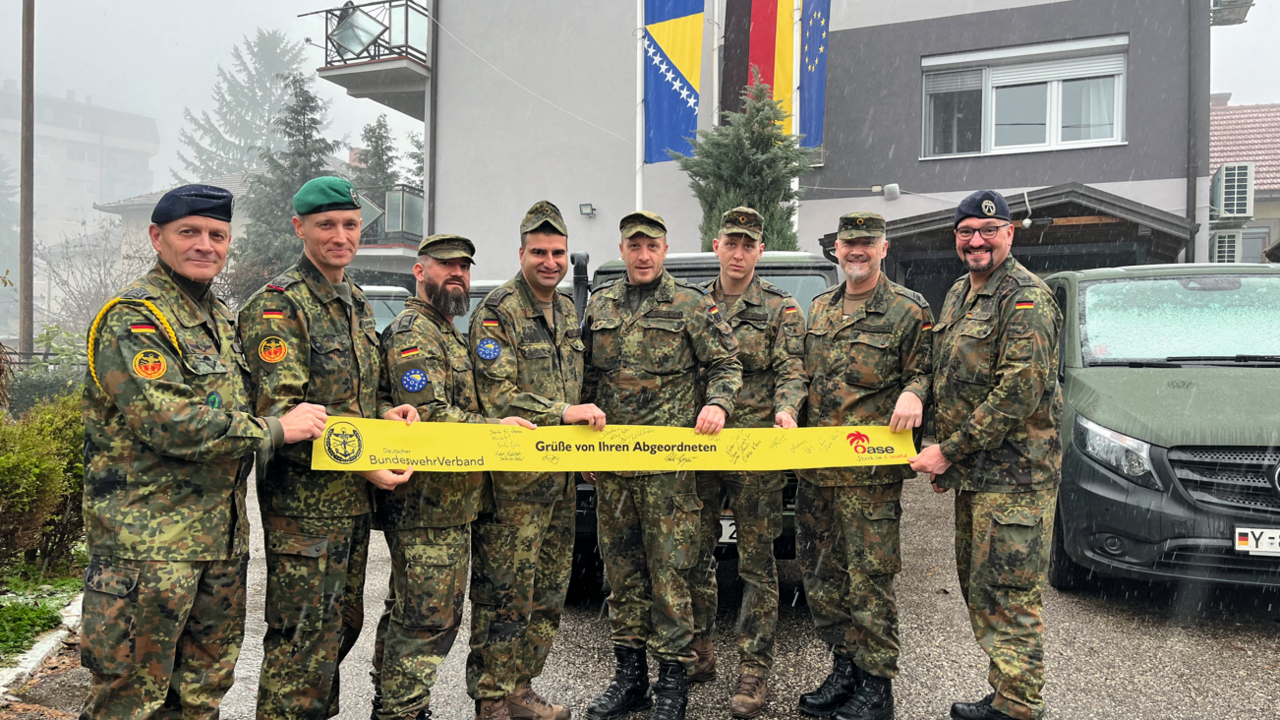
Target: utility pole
pixel 26 248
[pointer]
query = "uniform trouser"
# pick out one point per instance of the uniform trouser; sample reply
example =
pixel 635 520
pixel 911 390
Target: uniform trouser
pixel 523 558
pixel 847 540
pixel 648 529
pixel 756 501
pixel 161 638
pixel 1002 555
pixel 422 614
pixel 314 609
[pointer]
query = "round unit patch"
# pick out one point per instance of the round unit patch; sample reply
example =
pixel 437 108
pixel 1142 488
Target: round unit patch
pixel 272 349
pixel 149 364
pixel 342 443
pixel 488 349
pixel 413 380
pixel 214 400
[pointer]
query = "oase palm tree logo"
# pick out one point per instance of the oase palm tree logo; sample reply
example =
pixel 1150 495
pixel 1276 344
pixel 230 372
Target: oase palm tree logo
pixel 342 443
pixel 856 438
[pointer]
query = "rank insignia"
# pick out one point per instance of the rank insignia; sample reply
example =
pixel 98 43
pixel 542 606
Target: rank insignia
pixel 149 364
pixel 272 349
pixel 488 349
pixel 413 380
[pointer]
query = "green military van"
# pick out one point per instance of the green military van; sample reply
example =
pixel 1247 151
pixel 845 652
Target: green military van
pixel 1171 424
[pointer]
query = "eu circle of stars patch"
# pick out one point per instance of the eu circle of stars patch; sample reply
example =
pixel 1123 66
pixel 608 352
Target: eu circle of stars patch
pixel 488 349
pixel 413 380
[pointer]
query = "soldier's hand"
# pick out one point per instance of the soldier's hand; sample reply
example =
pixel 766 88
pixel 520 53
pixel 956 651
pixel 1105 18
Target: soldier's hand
pixel 908 413
pixel 710 420
pixel 406 413
pixel 517 420
pixel 386 479
pixel 590 477
pixel 933 480
pixel 784 420
pixel 304 422
pixel 586 414
pixel 930 460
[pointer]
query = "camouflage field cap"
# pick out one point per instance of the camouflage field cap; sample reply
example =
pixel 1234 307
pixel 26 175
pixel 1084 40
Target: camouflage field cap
pixel 743 221
pixel 860 224
pixel 324 194
pixel 447 247
pixel 542 213
pixel 643 222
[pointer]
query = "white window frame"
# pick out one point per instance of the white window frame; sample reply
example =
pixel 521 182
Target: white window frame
pixel 1051 64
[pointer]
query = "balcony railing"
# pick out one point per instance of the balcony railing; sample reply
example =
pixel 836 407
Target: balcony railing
pixel 377 31
pixel 392 215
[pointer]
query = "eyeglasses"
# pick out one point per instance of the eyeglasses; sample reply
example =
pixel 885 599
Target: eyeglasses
pixel 988 233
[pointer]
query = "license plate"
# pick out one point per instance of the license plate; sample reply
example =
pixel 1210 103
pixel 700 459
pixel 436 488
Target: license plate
pixel 1258 541
pixel 728 531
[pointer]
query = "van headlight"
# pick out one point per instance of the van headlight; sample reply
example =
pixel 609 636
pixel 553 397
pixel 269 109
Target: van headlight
pixel 1128 457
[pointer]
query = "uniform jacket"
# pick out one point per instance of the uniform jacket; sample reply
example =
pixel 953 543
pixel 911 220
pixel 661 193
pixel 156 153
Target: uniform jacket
pixel 428 367
pixel 304 343
pixel 169 436
pixel 859 366
pixel 995 379
pixel 641 367
pixel 527 369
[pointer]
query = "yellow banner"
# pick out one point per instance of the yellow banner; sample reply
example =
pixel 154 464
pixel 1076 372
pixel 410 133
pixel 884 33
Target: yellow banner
pixel 366 444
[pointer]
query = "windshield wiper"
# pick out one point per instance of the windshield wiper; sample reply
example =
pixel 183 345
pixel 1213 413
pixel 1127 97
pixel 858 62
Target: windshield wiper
pixel 1227 358
pixel 1134 363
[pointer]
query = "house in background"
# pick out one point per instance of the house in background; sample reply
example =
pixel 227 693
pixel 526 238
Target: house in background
pixel 1248 135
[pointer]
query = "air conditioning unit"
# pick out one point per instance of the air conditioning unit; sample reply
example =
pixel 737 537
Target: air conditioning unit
pixel 1225 247
pixel 1231 192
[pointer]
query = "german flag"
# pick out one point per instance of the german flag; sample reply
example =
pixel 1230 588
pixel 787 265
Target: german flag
pixel 1024 305
pixel 272 314
pixel 142 328
pixel 792 309
pixel 490 323
pixel 1242 539
pixel 759 34
pixel 926 326
pixel 410 352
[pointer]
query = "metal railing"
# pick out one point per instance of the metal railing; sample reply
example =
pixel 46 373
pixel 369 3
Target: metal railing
pixel 377 30
pixel 392 215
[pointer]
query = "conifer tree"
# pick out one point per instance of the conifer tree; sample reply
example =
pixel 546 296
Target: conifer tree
pixel 378 157
pixel 413 161
pixel 748 160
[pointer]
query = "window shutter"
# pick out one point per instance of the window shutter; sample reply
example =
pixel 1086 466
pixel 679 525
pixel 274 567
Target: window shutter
pixel 1058 70
pixel 953 82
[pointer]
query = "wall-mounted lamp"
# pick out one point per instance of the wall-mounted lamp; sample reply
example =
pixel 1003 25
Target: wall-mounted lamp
pixel 587 210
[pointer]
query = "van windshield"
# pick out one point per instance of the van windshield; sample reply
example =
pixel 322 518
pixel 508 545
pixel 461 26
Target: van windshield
pixel 1151 319
pixel 804 288
pixel 385 310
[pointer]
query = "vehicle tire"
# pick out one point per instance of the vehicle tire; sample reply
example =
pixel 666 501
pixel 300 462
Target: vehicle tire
pixel 586 579
pixel 1064 573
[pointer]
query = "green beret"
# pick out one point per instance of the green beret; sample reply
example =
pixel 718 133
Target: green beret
pixel 860 224
pixel 324 194
pixel 642 222
pixel 542 213
pixel 743 221
pixel 447 247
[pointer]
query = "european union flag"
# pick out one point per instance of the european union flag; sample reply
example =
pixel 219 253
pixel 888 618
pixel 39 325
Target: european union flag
pixel 673 71
pixel 813 70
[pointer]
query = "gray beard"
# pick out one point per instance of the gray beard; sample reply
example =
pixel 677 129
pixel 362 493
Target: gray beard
pixel 447 302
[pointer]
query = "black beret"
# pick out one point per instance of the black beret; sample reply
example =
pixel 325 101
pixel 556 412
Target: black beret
pixel 203 200
pixel 982 204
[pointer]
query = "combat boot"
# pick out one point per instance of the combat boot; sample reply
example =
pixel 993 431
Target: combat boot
pixel 835 691
pixel 749 699
pixel 377 706
pixel 527 704
pixel 704 667
pixel 491 709
pixel 671 694
pixel 629 689
pixel 873 700
pixel 980 710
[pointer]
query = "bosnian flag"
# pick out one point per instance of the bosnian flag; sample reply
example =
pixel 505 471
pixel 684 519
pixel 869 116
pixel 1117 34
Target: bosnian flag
pixel 673 71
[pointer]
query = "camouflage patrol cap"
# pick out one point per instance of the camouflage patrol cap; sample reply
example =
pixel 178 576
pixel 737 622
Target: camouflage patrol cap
pixel 542 213
pixel 447 247
pixel 743 221
pixel 324 194
pixel 642 222
pixel 860 224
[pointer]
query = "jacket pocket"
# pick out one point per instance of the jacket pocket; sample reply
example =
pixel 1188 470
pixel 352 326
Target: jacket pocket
pixel 296 567
pixel 110 609
pixel 872 361
pixel 686 510
pixel 333 369
pixel 973 348
pixel 431 596
pixel 663 350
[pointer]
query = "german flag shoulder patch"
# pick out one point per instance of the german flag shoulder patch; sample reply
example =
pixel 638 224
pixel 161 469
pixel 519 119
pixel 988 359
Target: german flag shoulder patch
pixel 142 328
pixel 1024 304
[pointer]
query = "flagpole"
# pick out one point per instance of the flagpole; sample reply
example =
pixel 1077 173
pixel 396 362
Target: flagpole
pixel 715 63
pixel 797 15
pixel 640 105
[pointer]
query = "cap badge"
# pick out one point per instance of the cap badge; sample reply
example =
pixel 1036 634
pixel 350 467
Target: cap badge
pixel 861 221
pixel 988 207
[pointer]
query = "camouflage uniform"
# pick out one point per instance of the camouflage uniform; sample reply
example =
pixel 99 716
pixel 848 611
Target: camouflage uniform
pixel 169 444
pixel 642 369
pixel 847 518
pixel 426 520
pixel 999 410
pixel 524 545
pixel 768 326
pixel 308 342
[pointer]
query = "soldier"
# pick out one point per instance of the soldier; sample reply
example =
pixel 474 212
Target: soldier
pixel 867 353
pixel 998 412
pixel 310 338
pixel 647 336
pixel 769 328
pixel 426 520
pixel 527 349
pixel 169 444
